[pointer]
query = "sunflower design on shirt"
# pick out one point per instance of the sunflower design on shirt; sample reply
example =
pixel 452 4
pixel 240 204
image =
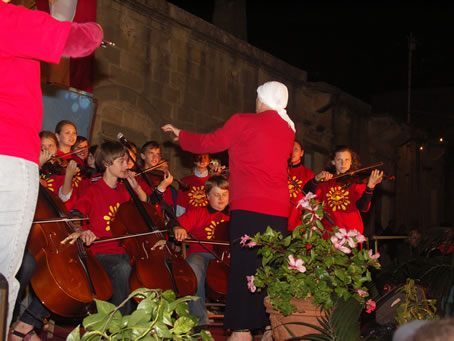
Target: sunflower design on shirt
pixel 293 188
pixel 197 196
pixel 110 217
pixel 49 183
pixel 212 228
pixel 76 179
pixel 338 198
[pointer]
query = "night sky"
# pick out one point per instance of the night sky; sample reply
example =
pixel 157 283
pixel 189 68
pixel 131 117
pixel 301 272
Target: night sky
pixel 359 46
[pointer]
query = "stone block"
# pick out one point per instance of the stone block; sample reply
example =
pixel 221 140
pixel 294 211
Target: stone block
pixel 110 92
pixel 177 80
pixel 131 62
pixel 110 111
pixel 112 55
pixel 127 95
pixel 126 78
pixel 178 47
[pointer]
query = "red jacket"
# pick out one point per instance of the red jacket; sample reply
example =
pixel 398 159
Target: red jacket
pixel 259 146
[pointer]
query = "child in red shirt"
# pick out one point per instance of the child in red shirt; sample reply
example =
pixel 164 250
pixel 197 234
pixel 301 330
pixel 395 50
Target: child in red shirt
pixel 101 202
pixel 343 202
pixel 298 177
pixel 195 196
pixel 150 156
pixel 201 222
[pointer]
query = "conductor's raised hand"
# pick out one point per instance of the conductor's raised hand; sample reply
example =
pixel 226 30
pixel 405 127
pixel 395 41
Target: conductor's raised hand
pixel 169 128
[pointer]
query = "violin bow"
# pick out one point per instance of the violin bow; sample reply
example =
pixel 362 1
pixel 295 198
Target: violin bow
pixel 353 172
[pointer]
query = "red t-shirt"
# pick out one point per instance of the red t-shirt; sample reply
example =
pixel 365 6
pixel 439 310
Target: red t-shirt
pixel 301 175
pixel 101 202
pixel 26 37
pixel 201 222
pixel 340 204
pixel 259 146
pixel 195 195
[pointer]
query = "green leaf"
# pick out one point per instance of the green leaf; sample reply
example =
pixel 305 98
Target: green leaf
pixel 162 330
pixel 137 317
pixel 329 260
pixel 95 321
pixel 173 305
pixel 104 307
pixel 206 335
pixel 74 335
pixel 182 309
pixel 182 325
pixel 143 292
pixel 169 295
pixel 339 274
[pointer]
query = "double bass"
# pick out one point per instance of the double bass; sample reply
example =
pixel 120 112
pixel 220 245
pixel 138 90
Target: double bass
pixel 67 278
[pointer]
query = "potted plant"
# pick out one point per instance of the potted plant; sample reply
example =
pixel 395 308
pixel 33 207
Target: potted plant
pixel 311 264
pixel 416 306
pixel 159 316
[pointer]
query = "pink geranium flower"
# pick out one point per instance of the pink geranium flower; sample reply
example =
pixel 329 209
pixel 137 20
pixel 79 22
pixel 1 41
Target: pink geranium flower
pixel 342 248
pixel 371 256
pixel 296 264
pixel 370 306
pixel 250 283
pixel 251 244
pixel 362 293
pixel 304 203
pixel 360 238
pixel 244 240
pixel 344 237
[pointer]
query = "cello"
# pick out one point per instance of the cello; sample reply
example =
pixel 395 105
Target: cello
pixel 217 275
pixel 154 264
pixel 67 279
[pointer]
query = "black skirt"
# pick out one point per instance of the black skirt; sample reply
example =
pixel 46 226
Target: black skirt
pixel 245 310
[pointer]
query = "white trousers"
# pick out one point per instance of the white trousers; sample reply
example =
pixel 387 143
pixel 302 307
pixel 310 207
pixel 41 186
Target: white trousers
pixel 19 183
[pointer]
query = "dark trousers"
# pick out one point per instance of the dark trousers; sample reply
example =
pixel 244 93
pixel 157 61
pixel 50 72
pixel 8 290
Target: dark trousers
pixel 245 310
pixel 118 269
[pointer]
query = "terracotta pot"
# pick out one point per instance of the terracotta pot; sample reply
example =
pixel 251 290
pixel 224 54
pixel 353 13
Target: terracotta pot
pixel 305 312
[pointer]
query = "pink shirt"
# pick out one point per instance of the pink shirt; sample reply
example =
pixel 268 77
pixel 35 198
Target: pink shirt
pixel 26 37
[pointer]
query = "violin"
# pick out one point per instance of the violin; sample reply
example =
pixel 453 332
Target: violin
pixel 57 165
pixel 358 176
pixel 156 175
pixel 216 168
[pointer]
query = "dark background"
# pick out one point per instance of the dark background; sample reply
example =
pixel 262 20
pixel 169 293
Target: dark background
pixel 358 46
